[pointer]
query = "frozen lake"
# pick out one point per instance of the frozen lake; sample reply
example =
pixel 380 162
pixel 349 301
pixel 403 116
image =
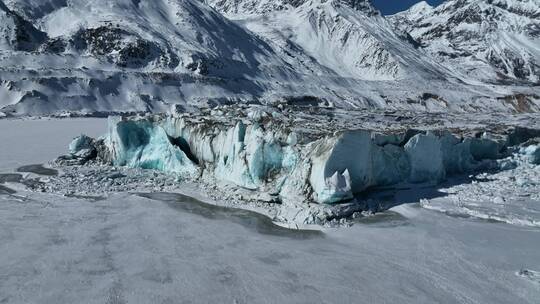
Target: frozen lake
pixel 27 142
pixel 174 249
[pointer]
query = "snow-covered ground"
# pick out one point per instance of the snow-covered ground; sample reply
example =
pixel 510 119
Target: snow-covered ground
pixel 173 249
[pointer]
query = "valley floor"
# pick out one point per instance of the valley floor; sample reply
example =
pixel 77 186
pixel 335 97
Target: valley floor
pixel 173 249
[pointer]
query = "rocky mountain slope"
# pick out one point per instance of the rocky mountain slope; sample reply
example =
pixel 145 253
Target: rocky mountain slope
pixel 129 55
pixel 349 37
pixel 97 57
pixel 17 33
pixel 492 41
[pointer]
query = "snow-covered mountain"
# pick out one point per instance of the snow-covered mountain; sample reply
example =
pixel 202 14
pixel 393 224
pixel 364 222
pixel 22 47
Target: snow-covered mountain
pixel 489 40
pixel 16 32
pixel 128 56
pixel 348 37
pixel 99 56
pixel 150 35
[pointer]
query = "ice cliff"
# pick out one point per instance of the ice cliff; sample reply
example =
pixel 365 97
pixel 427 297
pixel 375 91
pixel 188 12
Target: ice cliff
pixel 273 153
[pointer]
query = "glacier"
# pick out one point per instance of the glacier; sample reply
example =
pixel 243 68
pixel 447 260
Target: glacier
pixel 142 144
pixel 269 153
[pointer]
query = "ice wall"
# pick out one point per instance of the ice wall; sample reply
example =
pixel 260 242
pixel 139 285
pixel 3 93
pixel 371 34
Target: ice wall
pixel 244 154
pixel 258 153
pixel 145 144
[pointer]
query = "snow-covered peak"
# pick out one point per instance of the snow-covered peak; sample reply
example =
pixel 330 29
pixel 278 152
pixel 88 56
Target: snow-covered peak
pixel 164 33
pixel 519 7
pixel 488 15
pixel 89 56
pixel 420 8
pixel 511 15
pixel 408 19
pixel 341 8
pixel 493 40
pixel 350 38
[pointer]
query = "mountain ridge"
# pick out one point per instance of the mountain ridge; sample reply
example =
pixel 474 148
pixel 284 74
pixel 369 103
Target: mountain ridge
pixel 95 56
pixel 496 40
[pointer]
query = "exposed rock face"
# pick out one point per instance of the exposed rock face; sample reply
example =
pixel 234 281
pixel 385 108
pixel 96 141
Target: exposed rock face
pixel 253 7
pixel 122 47
pixel 362 5
pixel 36 9
pixel 250 7
pixel 16 33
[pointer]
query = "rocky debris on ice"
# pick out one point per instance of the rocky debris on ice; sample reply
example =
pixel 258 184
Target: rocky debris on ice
pixel 94 180
pixel 530 274
pixel 312 164
pixel 510 195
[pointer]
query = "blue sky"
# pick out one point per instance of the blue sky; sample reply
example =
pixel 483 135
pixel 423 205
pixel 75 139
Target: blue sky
pixel 393 6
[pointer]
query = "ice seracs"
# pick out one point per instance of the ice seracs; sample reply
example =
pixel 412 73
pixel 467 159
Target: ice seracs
pixel 532 154
pixel 338 188
pixel 509 194
pixel 145 145
pixel 276 152
pixel 425 155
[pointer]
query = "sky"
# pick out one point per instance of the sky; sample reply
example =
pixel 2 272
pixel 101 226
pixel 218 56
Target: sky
pixel 388 7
